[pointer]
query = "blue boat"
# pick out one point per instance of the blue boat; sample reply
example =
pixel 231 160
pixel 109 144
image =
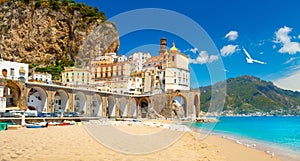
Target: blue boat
pixel 33 126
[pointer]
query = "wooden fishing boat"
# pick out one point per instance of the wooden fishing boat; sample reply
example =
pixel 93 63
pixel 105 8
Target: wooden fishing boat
pixel 33 126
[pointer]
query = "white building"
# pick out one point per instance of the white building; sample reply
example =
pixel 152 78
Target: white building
pixel 2 100
pixel 168 70
pixel 103 86
pixel 137 60
pixel 13 70
pixel 176 79
pixel 121 58
pixel 135 85
pixel 1 91
pixel 43 77
pixel 176 72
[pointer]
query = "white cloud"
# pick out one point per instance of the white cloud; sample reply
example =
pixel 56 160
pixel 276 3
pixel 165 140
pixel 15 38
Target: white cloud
pixel 274 46
pixel 193 50
pixel 232 35
pixel 261 52
pixel 283 38
pixel 291 48
pixel 204 58
pixel 289 82
pixel 290 60
pixel 228 50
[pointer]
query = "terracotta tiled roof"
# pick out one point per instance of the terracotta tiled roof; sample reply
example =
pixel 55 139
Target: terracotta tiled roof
pixel 154 59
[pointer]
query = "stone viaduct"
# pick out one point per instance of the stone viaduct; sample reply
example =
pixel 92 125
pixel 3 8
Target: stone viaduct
pixel 51 98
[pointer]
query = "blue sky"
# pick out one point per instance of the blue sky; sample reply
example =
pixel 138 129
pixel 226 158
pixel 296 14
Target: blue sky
pixel 268 30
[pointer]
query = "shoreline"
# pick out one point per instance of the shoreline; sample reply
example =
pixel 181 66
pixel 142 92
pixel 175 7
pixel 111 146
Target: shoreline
pixel 284 153
pixel 281 144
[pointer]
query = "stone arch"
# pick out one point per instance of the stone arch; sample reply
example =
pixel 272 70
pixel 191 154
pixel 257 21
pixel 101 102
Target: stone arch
pixel 61 100
pixel 123 106
pixel 80 103
pixel 37 99
pixel 96 105
pixel 13 93
pixel 111 106
pixel 196 105
pixel 145 105
pixel 132 108
pixel 179 105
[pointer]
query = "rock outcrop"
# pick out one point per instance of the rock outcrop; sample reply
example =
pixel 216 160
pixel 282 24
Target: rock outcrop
pixel 40 33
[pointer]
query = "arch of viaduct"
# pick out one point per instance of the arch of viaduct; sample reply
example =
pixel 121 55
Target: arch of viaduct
pixel 51 98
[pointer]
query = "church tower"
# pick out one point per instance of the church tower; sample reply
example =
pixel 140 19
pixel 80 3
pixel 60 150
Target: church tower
pixel 163 46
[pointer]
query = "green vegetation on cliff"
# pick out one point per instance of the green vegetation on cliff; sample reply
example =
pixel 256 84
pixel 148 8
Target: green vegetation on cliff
pixel 89 13
pixel 53 33
pixel 248 94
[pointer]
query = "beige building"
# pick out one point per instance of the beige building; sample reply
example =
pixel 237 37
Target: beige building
pixel 142 74
pixel 103 86
pixel 120 76
pixel 114 73
pixel 168 70
pixel 72 76
pixel 176 71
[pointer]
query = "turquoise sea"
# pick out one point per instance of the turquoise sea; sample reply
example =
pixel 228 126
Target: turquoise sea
pixel 276 133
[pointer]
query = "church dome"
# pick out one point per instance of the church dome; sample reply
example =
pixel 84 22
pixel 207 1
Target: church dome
pixel 173 48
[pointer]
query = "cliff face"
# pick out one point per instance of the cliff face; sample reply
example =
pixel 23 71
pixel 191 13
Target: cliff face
pixel 31 32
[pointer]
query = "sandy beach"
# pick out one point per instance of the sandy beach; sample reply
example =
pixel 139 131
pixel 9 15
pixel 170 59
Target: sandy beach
pixel 76 143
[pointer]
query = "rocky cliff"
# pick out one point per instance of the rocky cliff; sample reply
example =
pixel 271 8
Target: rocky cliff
pixel 39 31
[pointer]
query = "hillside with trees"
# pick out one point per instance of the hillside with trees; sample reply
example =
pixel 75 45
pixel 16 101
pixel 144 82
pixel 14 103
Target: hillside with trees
pixel 248 94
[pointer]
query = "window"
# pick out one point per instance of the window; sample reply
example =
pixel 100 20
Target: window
pixel 173 58
pixel 174 80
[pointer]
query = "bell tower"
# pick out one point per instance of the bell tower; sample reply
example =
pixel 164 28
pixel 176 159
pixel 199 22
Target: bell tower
pixel 163 46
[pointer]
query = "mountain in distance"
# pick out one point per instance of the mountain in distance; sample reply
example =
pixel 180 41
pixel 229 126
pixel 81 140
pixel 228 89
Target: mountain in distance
pixel 249 94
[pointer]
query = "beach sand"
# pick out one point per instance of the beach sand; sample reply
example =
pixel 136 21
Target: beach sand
pixel 76 143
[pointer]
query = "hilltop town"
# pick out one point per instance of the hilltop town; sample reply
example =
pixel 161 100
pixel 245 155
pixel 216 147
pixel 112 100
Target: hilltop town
pixel 140 75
